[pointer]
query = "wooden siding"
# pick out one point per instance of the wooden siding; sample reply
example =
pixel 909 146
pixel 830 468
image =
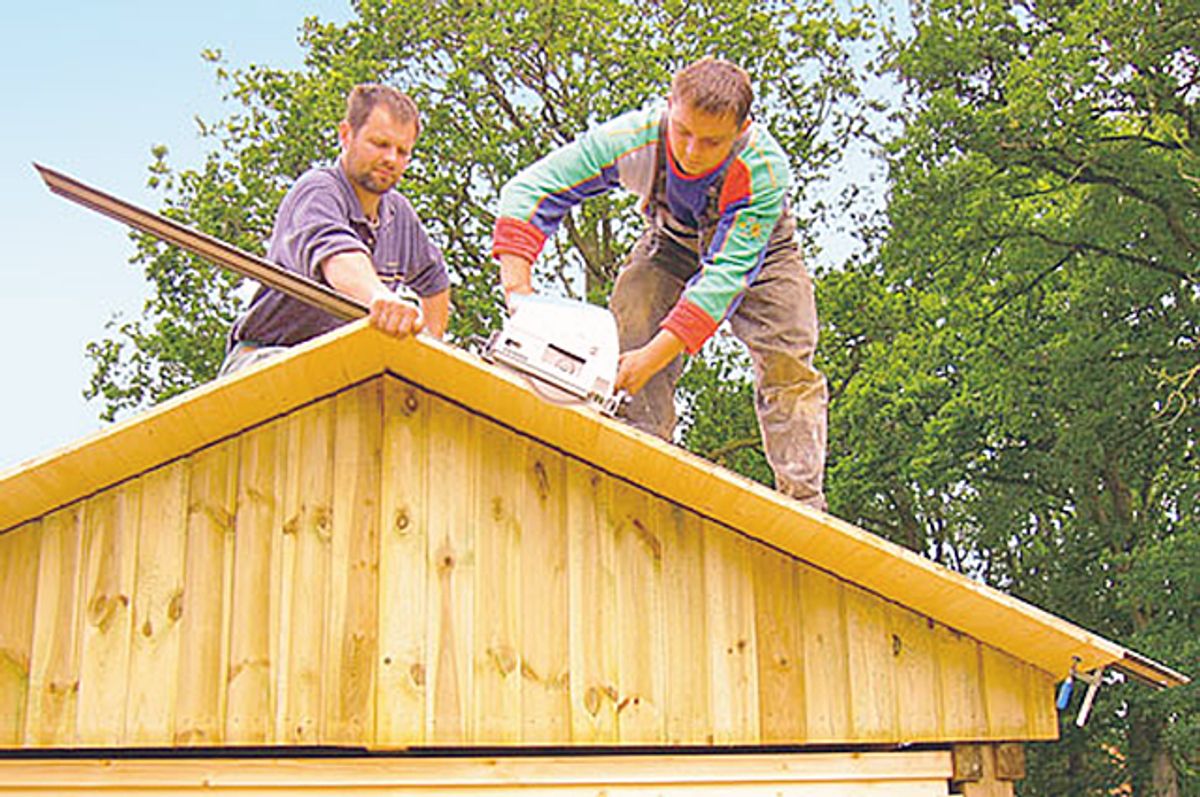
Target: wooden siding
pixel 910 774
pixel 355 353
pixel 384 568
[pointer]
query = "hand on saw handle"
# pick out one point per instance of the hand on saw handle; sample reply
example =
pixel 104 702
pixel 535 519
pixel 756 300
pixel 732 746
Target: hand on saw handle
pixel 637 366
pixel 516 276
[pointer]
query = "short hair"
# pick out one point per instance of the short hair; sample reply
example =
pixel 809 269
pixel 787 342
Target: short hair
pixel 715 86
pixel 365 96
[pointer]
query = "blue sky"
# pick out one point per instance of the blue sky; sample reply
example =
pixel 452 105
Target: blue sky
pixel 88 89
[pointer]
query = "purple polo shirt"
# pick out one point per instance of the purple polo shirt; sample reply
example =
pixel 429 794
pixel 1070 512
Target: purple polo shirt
pixel 321 216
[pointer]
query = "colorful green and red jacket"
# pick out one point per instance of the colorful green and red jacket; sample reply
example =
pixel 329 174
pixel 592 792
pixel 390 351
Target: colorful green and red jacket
pixel 622 153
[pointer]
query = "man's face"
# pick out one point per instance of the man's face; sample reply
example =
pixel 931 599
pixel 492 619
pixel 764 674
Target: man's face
pixel 700 141
pixel 376 155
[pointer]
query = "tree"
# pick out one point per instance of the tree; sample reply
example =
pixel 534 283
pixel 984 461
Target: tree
pixel 499 85
pixel 1013 364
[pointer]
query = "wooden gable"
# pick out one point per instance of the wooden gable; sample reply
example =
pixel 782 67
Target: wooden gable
pixel 385 544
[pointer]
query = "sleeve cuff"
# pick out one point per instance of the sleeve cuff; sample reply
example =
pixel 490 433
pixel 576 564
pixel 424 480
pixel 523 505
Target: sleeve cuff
pixel 690 324
pixel 515 237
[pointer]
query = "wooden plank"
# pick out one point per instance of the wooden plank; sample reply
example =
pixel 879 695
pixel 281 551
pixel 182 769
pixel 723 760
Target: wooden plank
pixel 592 587
pixel 826 673
pixel 641 647
pixel 872 668
pixel 450 630
pixel 732 648
pixel 689 718
pixel 157 607
pixel 918 691
pixel 544 598
pixel 354 352
pixel 250 704
pixel 208 573
pixel 496 702
pixel 846 771
pixel 975 772
pixel 961 687
pixel 110 543
pixel 19 553
pixel 1008 701
pixel 352 642
pixel 308 526
pixel 400 696
pixel 50 718
pixel 779 631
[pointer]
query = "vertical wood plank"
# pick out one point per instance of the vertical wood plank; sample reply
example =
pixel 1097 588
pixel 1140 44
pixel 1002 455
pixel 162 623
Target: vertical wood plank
pixel 918 688
pixel 208 571
pixel 826 672
pixel 54 662
pixel 732 650
pixel 689 718
pixel 592 587
pixel 641 664
pixel 400 700
pixel 451 498
pixel 308 522
pixel 779 631
pixel 962 711
pixel 1006 697
pixel 497 686
pixel 872 683
pixel 545 631
pixel 352 641
pixel 250 706
pixel 1041 710
pixel 19 553
pixel 110 542
pixel 157 606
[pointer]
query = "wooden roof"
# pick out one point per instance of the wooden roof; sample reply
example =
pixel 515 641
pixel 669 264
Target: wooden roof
pixel 355 352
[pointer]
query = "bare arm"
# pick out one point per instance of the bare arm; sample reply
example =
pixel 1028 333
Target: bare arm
pixel 353 274
pixel 436 312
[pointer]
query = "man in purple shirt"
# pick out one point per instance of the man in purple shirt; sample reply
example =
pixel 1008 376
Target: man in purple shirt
pixel 345 226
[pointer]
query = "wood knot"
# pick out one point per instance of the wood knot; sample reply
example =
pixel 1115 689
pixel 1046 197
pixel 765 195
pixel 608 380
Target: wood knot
pixel 591 700
pixel 503 658
pixel 147 628
pixel 541 480
pixel 402 521
pixel 653 543
pixel 291 525
pixel 897 645
pixel 497 508
pixel 323 523
pixel 175 607
pixel 410 401
pixel 417 673
pixel 528 673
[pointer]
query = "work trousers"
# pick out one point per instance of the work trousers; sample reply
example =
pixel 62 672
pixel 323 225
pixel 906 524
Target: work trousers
pixel 777 322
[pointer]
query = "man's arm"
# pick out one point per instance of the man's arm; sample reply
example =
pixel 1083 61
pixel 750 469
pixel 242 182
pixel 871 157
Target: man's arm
pixel 435 311
pixel 516 275
pixel 353 274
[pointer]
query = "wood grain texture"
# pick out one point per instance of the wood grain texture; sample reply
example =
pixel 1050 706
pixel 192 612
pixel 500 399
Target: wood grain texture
pixel 208 574
pixel 19 554
pixel 404 589
pixel 110 543
pixel 328 364
pixel 50 715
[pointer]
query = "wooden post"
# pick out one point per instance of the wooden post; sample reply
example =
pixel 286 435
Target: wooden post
pixel 985 770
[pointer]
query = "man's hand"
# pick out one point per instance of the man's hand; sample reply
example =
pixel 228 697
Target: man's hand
pixel 637 366
pixel 394 316
pixel 353 274
pixel 516 276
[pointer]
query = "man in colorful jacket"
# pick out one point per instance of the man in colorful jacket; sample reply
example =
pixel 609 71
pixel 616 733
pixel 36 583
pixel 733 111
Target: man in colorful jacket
pixel 720 244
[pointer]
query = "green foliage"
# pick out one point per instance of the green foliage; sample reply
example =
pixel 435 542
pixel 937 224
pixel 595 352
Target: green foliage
pixel 1014 374
pixel 499 84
